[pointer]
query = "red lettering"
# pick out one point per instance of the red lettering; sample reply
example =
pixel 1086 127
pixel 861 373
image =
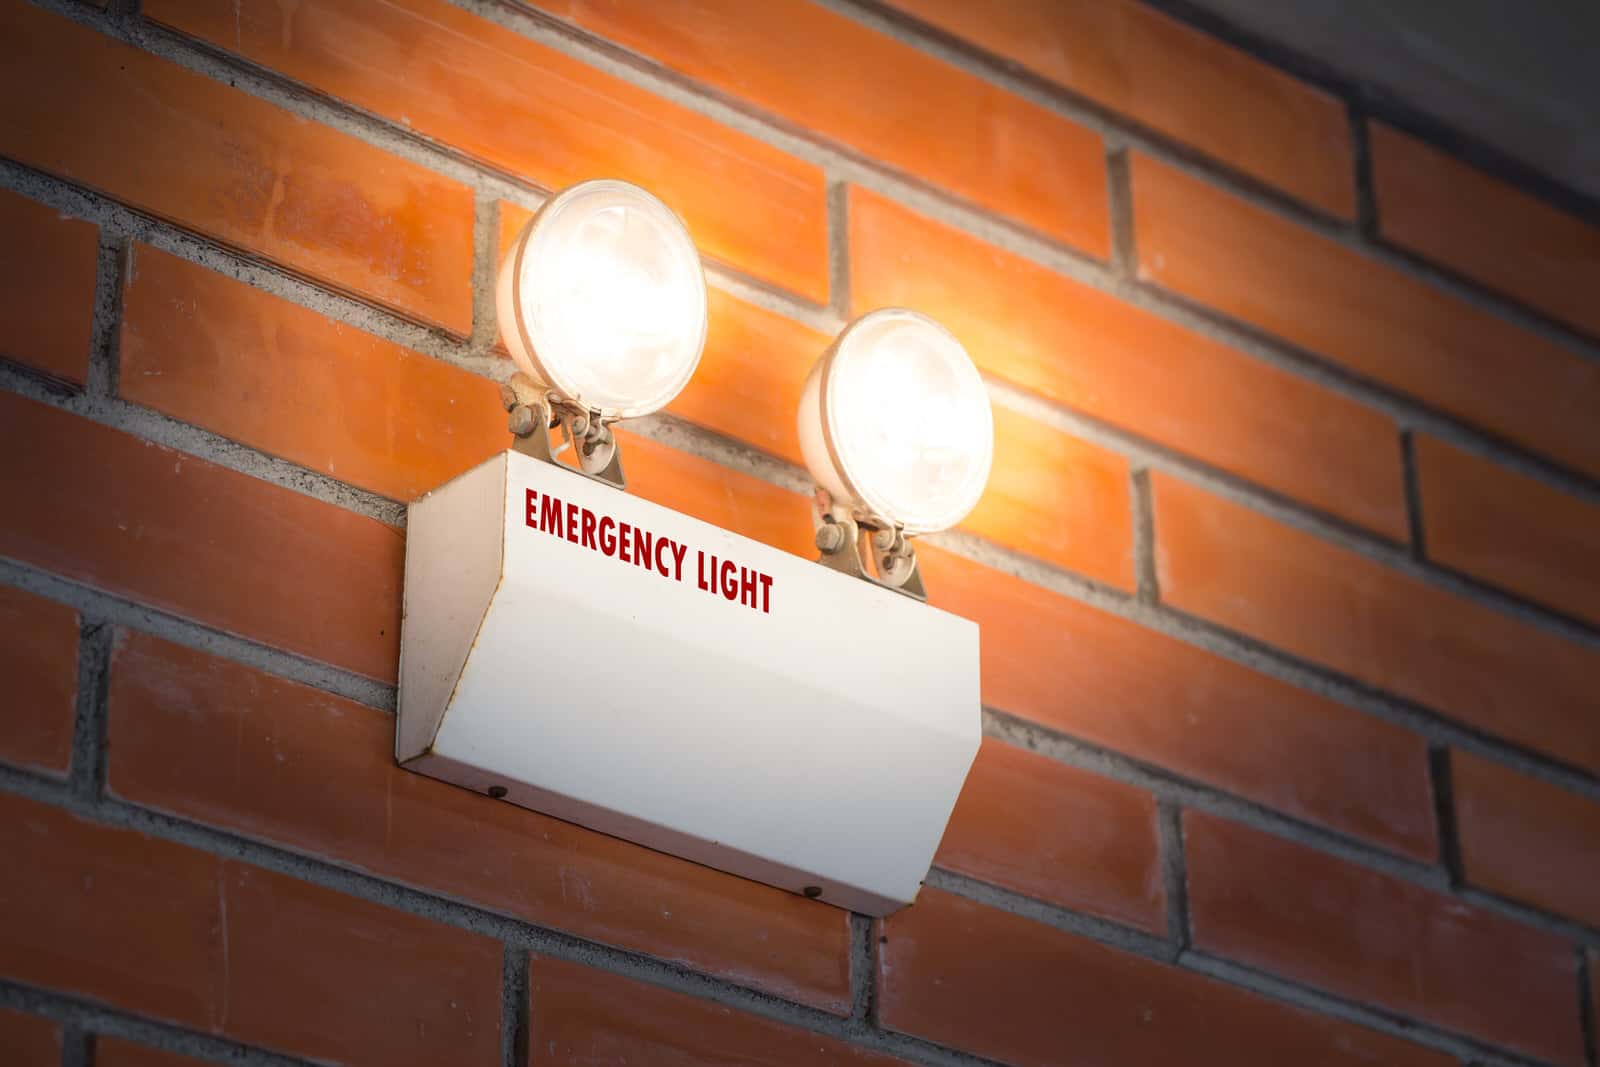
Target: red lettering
pixel 677 557
pixel 663 545
pixel 623 542
pixel 550 515
pixel 533 509
pixel 747 585
pixel 727 580
pixel 572 523
pixel 700 568
pixel 766 591
pixel 608 539
pixel 641 546
pixel 588 529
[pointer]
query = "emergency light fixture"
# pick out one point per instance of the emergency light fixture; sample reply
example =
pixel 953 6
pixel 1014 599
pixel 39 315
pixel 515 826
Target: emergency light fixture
pixel 895 427
pixel 608 661
pixel 602 305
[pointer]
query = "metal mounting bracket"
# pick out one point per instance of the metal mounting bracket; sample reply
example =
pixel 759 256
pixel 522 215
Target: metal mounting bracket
pixel 846 544
pixel 535 411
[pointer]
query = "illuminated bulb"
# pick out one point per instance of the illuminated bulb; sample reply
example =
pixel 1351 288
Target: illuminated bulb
pixel 895 421
pixel 602 299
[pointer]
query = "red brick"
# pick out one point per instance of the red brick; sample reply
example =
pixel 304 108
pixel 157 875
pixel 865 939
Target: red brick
pixel 1073 668
pixel 39 662
pixel 1010 989
pixel 1058 498
pixel 1058 834
pixel 1527 839
pixel 176 144
pixel 1288 588
pixel 180 534
pixel 535 113
pixel 210 944
pixel 1353 932
pixel 29 1041
pixel 1509 530
pixel 46 288
pixel 1084 349
pixel 213 741
pixel 283 379
pixel 829 74
pixel 750 376
pixel 1445 210
pixel 115 1052
pixel 1173 79
pixel 1377 321
pixel 580 1017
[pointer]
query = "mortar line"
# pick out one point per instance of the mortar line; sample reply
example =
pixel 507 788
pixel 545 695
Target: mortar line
pixel 77 1049
pixel 838 209
pixel 1119 196
pixel 87 770
pixel 205 446
pixel 1309 998
pixel 1416 414
pixel 252 268
pixel 1441 780
pixel 1367 207
pixel 1586 1006
pixel 863 970
pixel 1174 871
pixel 1108 932
pixel 108 610
pixel 94 1020
pixel 331 875
pixel 485 245
pixel 1147 582
pixel 1412 482
pixel 1561 926
pixel 515 1008
pixel 104 367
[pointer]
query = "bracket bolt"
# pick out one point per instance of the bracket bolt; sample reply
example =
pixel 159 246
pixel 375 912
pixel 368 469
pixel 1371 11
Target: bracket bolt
pixel 830 537
pixel 522 422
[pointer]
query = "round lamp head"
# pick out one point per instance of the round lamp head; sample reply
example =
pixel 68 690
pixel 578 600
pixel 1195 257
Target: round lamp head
pixel 603 300
pixel 895 420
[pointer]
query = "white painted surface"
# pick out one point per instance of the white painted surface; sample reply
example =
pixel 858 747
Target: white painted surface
pixel 822 742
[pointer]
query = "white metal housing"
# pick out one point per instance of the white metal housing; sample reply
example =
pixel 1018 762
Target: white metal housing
pixel 812 731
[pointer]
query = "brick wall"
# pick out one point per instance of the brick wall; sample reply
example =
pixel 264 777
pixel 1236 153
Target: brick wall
pixel 1288 573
